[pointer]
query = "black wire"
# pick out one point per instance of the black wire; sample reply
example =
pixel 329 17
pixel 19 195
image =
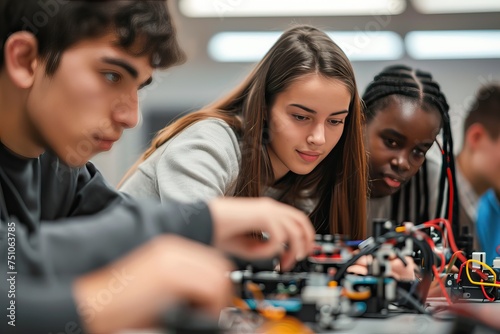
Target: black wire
pixel 415 303
pixel 368 250
pixel 401 257
pixel 427 258
pixel 365 251
pixel 441 186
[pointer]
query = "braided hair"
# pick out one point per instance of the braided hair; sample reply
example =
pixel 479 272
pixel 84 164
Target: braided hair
pixel 418 85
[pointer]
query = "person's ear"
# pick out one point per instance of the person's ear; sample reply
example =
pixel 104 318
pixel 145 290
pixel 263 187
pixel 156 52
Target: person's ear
pixel 475 135
pixel 21 55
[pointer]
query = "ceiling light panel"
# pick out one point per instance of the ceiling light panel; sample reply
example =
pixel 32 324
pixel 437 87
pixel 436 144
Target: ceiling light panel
pixel 293 8
pixel 453 44
pixel 456 6
pixel 358 45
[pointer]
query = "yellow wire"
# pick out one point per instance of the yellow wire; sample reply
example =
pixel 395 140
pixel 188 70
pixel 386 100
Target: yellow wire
pixel 452 261
pixel 487 267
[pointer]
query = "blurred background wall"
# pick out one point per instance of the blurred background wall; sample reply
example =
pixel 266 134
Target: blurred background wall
pixel 461 62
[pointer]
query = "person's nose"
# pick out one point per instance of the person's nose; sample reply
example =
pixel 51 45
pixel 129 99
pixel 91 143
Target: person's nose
pixel 125 110
pixel 317 135
pixel 401 162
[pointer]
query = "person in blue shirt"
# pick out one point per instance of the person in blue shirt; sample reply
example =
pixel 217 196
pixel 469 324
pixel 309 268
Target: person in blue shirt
pixel 488 224
pixel 478 170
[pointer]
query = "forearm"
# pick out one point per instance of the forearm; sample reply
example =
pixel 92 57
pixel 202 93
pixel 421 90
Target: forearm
pixel 77 245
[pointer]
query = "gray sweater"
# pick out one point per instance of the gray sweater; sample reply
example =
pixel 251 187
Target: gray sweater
pixel 62 222
pixel 199 163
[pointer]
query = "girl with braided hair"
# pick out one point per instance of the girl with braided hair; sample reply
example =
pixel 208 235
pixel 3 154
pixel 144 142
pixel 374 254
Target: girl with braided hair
pixel 405 111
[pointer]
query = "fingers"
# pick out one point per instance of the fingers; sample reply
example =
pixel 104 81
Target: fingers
pixel 398 270
pixel 402 272
pixel 236 217
pixel 159 274
pixel 298 228
pixel 202 275
pixel 306 233
pixel 358 269
pixel 299 245
pixel 291 227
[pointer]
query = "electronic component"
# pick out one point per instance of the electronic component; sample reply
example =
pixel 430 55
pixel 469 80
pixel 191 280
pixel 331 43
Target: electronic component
pixel 475 280
pixel 320 291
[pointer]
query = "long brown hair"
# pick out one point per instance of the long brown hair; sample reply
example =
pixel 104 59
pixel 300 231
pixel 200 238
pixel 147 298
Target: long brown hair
pixel 339 182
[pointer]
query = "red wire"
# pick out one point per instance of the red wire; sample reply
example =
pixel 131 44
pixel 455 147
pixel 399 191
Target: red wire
pixel 449 232
pixel 437 227
pixel 453 245
pixel 460 272
pixel 491 299
pixel 478 272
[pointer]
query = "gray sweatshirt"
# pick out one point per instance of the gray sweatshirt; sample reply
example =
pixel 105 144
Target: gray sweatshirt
pixel 199 163
pixel 68 221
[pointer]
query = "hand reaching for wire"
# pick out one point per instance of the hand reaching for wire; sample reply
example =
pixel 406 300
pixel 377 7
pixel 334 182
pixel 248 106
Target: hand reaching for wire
pixel 398 269
pixel 290 234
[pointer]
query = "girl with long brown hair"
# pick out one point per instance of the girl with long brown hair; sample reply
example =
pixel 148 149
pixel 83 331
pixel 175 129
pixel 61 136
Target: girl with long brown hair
pixel 292 130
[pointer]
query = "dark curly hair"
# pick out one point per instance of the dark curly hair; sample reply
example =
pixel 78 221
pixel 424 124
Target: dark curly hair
pixel 141 27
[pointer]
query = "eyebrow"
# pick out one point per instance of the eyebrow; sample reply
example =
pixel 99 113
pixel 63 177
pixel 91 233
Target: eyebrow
pixel 127 67
pixel 403 137
pixel 426 145
pixel 309 110
pixel 394 133
pixel 147 82
pixel 123 64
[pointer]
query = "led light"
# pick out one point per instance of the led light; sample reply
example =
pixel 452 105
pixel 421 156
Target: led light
pixel 365 46
pixel 456 6
pixel 240 46
pixel 458 44
pixel 358 45
pixel 266 8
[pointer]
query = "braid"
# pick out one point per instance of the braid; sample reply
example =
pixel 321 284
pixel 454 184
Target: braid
pixel 419 85
pixel 425 212
pixel 418 194
pixel 393 80
pixel 407 205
